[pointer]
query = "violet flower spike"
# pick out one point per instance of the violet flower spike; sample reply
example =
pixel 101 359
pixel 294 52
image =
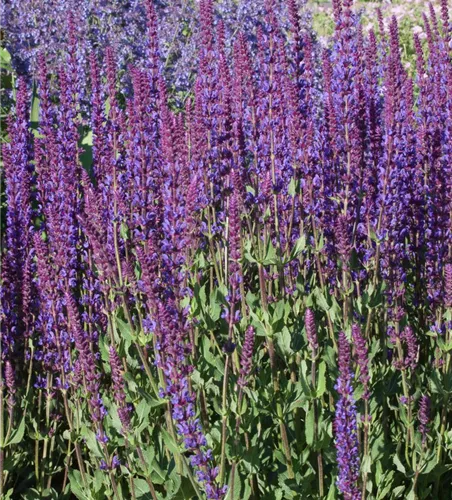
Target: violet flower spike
pixel 10 385
pixel 410 339
pixel 345 426
pixel 448 285
pixel 424 417
pixel 119 389
pixel 311 331
pixel 246 358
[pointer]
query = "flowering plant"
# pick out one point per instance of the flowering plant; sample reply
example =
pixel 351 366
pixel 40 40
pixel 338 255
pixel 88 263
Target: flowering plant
pixel 245 293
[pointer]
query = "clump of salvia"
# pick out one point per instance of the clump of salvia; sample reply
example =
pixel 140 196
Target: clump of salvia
pixel 162 251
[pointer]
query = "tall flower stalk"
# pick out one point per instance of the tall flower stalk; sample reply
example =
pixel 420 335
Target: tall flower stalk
pixel 345 426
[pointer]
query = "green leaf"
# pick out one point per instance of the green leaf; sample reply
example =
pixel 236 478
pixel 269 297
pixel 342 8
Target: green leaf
pixel 247 251
pixel 17 437
pixel 170 443
pixel 34 115
pixel 430 464
pixel 400 467
pixel 411 495
pixel 366 464
pixel 283 339
pixel 149 455
pixel 332 493
pixel 298 403
pixel 141 487
pixel 208 356
pixel 91 441
pixel 298 248
pixel 220 364
pixel 5 57
pixel 247 493
pixel 215 306
pixel 387 481
pixel 75 479
pixel 259 326
pixel 321 384
pixel 435 383
pixel 201 296
pixel 98 480
pixel 292 189
pixel 152 402
pixel 309 426
pixel 158 475
pixel 397 492
pixel 131 383
pixel 31 494
pixel 103 348
pixel 88 139
pixel 125 330
pixel 270 254
pixel 173 487
pixel 321 243
pixel 335 309
pixel 303 372
pixel 237 486
pixel 321 300
pixel 9 494
pixel 114 418
pixel 124 231
pixel 142 410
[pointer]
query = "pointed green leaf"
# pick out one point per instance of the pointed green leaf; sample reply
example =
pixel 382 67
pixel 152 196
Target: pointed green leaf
pixel 141 487
pixel 75 479
pixel 321 383
pixel 309 426
pixel 17 437
pixel 400 467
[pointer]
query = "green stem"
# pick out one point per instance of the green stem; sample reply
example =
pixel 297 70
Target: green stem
pixel 78 450
pixel 224 421
pixel 37 459
pixel 365 446
pixel 236 440
pixel 316 427
pixel 147 477
pixel 282 425
pixel 271 351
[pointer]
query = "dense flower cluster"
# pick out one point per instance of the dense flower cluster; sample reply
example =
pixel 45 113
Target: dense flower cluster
pixel 161 255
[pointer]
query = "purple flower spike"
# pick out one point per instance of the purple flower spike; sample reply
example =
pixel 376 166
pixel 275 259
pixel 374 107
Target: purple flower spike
pixel 247 357
pixel 86 363
pixel 345 426
pixel 234 239
pixel 311 331
pixel 119 389
pixel 10 384
pixel 17 174
pixel 424 416
pixel 412 347
pixel 448 285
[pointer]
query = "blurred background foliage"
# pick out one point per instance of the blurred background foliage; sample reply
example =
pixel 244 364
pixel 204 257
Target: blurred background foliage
pixel 407 12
